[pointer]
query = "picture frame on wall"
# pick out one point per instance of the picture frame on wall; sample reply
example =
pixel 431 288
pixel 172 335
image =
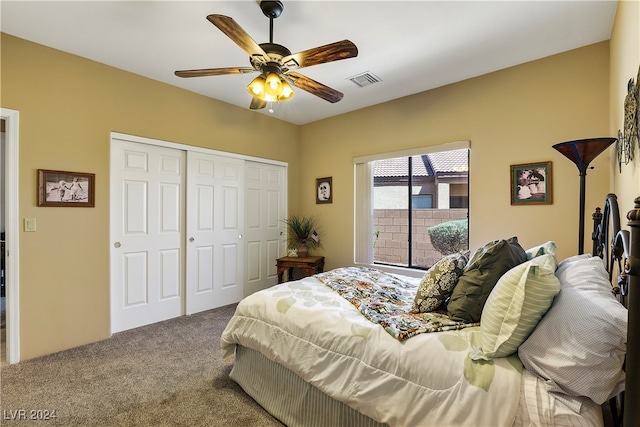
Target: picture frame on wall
pixel 324 190
pixel 531 184
pixel 66 189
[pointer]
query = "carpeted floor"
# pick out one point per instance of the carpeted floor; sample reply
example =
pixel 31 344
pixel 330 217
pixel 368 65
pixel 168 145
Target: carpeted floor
pixel 167 374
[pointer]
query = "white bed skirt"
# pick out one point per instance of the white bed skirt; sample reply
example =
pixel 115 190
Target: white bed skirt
pixel 296 403
pixel 288 398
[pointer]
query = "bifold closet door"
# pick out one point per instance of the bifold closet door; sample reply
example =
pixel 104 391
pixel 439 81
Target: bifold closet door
pixel 215 227
pixel 147 227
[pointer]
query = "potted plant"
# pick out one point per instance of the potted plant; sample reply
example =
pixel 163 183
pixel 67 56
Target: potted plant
pixel 301 234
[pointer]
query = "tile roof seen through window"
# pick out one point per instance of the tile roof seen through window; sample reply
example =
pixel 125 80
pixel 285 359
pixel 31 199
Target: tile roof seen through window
pixel 441 162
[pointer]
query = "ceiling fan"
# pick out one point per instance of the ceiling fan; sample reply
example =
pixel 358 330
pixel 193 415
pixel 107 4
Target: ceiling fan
pixel 276 63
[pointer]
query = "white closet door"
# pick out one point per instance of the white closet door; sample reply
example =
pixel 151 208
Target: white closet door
pixel 265 232
pixel 215 224
pixel 147 224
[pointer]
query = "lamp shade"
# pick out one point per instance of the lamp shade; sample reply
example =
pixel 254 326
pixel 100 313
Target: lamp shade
pixel 287 92
pixel 256 87
pixel 273 85
pixel 583 151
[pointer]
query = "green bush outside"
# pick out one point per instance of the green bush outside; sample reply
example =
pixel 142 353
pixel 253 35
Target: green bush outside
pixel 450 237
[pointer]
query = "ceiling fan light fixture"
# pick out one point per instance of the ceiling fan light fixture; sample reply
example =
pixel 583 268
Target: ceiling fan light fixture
pixel 257 87
pixel 273 85
pixel 287 92
pixel 273 88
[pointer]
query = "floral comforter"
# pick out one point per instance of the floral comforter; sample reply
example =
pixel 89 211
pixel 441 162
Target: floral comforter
pixel 386 299
pixel 428 380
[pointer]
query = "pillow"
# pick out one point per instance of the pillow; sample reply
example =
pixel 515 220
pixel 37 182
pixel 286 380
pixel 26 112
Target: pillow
pixel 480 276
pixel 514 307
pixel 546 248
pixel 438 281
pixel 580 344
pixel 565 263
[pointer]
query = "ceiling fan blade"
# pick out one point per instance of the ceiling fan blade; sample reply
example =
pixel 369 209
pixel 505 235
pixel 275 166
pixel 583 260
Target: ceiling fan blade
pixel 214 71
pixel 239 36
pixel 319 55
pixel 257 103
pixel 313 87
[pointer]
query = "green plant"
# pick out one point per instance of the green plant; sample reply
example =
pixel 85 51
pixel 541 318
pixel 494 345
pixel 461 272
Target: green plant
pixel 450 237
pixel 300 231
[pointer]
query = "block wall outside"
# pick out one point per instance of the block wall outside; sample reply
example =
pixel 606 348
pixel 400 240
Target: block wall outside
pixel 392 226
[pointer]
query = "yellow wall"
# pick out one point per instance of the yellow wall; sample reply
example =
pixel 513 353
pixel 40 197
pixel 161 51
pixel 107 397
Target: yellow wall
pixel 69 105
pixel 511 116
pixel 625 61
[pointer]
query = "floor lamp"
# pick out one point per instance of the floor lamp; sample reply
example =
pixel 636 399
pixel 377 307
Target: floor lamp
pixel 582 152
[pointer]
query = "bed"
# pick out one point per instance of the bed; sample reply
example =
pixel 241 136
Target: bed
pixel 353 347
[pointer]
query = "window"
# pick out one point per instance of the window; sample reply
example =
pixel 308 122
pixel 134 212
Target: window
pixel 401 195
pixel 422 201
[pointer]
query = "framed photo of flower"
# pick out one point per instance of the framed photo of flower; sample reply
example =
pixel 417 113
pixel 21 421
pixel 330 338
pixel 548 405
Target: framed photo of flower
pixel 531 184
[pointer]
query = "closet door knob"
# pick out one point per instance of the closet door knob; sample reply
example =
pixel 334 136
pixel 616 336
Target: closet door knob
pixel 191 239
pixel 117 245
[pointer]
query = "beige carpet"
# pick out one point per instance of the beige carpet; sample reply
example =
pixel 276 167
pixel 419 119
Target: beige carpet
pixel 167 374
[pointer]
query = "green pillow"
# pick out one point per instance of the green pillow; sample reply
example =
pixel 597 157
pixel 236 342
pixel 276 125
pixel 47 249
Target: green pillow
pixel 438 282
pixel 480 275
pixel 515 306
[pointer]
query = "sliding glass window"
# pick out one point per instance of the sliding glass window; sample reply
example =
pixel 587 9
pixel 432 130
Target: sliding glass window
pixel 412 208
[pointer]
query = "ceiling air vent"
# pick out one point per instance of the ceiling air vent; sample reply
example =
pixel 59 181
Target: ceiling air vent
pixel 365 79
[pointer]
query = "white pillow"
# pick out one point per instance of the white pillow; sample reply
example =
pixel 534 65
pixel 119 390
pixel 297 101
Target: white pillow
pixel 580 344
pixel 565 263
pixel 549 247
pixel 514 307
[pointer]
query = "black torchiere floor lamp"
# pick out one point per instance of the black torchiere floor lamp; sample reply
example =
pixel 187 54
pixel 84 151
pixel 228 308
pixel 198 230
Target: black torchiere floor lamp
pixel 582 152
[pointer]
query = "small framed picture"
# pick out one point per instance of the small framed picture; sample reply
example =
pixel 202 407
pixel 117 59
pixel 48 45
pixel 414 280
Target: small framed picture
pixel 59 188
pixel 531 184
pixel 324 190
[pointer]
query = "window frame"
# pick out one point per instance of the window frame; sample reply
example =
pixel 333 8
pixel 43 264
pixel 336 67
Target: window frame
pixel 363 203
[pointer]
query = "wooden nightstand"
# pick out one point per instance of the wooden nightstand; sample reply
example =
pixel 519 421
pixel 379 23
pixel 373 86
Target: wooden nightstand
pixel 311 265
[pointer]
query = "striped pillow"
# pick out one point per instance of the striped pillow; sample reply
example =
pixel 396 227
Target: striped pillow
pixel 515 306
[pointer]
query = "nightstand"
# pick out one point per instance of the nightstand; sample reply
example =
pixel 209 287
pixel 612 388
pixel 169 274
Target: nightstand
pixel 310 265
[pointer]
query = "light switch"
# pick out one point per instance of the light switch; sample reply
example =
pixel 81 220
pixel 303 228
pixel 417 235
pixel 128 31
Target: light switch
pixel 29 224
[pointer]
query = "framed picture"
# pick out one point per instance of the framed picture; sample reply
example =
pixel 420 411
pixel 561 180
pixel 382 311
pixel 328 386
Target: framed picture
pixel 531 184
pixel 324 190
pixel 59 188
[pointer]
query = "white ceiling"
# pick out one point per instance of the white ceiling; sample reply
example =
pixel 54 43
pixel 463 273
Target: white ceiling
pixel 412 46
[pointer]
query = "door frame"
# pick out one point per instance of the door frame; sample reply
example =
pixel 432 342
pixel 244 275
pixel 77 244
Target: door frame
pixel 12 245
pixel 188 148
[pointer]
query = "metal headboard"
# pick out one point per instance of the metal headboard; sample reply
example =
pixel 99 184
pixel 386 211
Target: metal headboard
pixel 632 269
pixel 620 250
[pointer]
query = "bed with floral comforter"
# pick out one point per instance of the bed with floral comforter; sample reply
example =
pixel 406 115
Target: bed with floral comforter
pixel 394 368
